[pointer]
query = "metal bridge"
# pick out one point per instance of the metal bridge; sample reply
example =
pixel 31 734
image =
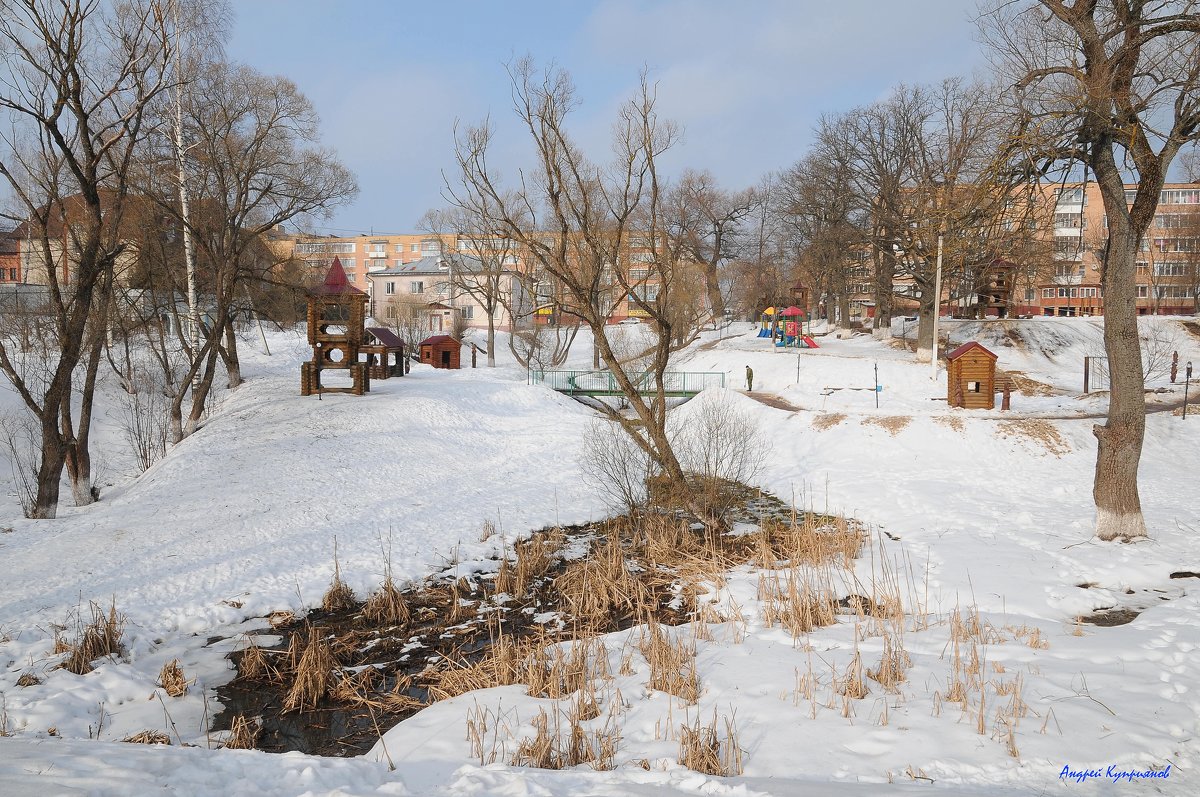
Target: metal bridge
pixel 603 383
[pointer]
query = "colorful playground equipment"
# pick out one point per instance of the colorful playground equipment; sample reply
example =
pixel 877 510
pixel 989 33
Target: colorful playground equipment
pixel 786 327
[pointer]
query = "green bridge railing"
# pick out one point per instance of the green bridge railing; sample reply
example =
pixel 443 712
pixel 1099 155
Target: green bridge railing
pixel 603 383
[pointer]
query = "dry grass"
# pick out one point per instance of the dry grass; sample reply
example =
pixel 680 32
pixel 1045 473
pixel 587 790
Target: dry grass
pixel 172 679
pixel 256 665
pixel 798 599
pixel 148 737
pixel 672 663
pixel 702 749
pixel 548 749
pixel 313 674
pixel 243 733
pixel 1040 431
pixel 850 684
pixel 893 665
pixel 101 637
pixel 566 671
pixel 387 606
pixel 535 557
pixel 952 421
pixel 892 424
pixel 598 590
pixel 28 679
pixel 827 420
pixel 339 597
pixel 501 665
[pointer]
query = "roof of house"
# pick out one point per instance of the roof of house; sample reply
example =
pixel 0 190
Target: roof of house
pixel 436 339
pixel 385 336
pixel 336 283
pixel 966 347
pixel 433 264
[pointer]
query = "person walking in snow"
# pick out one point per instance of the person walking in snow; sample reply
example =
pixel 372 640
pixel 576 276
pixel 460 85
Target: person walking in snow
pixel 749 379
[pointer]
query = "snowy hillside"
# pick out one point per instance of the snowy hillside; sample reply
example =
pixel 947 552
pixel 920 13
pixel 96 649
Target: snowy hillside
pixel 976 511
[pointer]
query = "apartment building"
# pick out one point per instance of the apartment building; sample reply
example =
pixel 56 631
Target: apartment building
pixel 1168 260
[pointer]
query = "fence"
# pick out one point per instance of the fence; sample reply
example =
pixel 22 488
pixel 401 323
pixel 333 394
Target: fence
pixel 603 383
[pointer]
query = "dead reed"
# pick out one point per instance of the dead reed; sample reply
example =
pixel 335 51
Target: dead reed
pixel 387 606
pixel 243 733
pixel 148 737
pixel 172 679
pixel 313 674
pixel 339 597
pixel 702 748
pixel 100 637
pixel 672 663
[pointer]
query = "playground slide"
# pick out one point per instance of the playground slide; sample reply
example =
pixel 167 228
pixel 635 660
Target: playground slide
pixel 809 342
pixel 764 333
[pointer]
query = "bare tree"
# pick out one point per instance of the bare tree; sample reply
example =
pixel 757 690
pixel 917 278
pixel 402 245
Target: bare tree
pixel 709 220
pixel 254 165
pixel 1114 85
pixel 78 79
pixel 579 223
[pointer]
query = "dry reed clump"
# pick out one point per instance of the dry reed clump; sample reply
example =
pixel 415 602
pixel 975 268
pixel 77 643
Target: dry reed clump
pixel 816 540
pixel 28 679
pixel 101 637
pixel 535 557
pixel 851 684
pixel 893 665
pixel 172 679
pixel 255 665
pixel 672 663
pixel 312 676
pixel 548 749
pixel 799 600
pixel 566 671
pixel 148 737
pixel 702 749
pixel 501 665
pixel 243 733
pixel 362 689
pixel 387 606
pixel 339 597
pixel 599 590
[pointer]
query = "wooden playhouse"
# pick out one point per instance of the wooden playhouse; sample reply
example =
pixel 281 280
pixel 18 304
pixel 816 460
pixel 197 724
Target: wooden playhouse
pixel 971 377
pixel 441 351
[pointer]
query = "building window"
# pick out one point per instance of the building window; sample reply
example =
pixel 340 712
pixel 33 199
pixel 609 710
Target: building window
pixel 416 287
pixel 467 312
pixel 1179 196
pixel 1047 293
pixel 389 287
pixel 1064 293
pixel 412 247
pixel 1143 291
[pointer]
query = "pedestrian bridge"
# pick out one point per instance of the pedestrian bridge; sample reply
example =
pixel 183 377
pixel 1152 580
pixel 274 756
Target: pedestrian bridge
pixel 603 383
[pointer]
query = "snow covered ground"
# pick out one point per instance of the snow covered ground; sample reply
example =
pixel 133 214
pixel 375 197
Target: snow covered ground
pixel 977 509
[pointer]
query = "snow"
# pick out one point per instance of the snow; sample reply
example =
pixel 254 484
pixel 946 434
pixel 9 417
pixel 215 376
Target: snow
pixel 983 509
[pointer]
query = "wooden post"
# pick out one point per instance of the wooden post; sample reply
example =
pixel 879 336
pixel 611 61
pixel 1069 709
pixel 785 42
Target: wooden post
pixel 1087 363
pixel 1005 400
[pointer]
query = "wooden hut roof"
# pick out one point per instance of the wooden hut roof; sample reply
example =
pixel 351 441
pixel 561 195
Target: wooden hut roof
pixel 336 283
pixel 385 336
pixel 435 339
pixel 966 347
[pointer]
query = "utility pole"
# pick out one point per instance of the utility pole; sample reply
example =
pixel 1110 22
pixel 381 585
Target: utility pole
pixel 937 310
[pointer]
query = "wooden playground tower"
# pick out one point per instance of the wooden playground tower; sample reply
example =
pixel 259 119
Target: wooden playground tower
pixel 337 314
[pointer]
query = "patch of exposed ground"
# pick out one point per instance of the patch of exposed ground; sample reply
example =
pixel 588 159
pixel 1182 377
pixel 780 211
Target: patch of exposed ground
pixel 332 682
pixel 1038 430
pixel 953 421
pixel 894 424
pixel 1193 328
pixel 1023 384
pixel 1192 409
pixel 771 400
pixel 827 420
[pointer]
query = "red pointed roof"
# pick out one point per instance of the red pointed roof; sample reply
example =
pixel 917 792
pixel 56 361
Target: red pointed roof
pixel 336 283
pixel 792 312
pixel 966 347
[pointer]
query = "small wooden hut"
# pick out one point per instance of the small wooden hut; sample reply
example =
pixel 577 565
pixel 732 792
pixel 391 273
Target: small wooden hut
pixel 384 353
pixel 337 312
pixel 441 351
pixel 971 377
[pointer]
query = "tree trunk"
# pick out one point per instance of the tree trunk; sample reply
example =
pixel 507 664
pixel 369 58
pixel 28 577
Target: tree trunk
pixel 45 503
pixel 229 354
pixel 491 340
pixel 925 313
pixel 78 456
pixel 712 286
pixel 1115 489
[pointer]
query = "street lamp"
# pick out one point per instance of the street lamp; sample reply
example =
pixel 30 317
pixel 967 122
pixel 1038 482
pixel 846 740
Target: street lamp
pixel 1187 373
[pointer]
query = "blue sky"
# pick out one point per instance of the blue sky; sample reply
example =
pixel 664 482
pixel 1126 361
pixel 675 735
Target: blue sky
pixel 746 80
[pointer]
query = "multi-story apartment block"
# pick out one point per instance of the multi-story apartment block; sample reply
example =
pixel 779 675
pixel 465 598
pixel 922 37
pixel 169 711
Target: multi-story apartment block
pixel 1168 262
